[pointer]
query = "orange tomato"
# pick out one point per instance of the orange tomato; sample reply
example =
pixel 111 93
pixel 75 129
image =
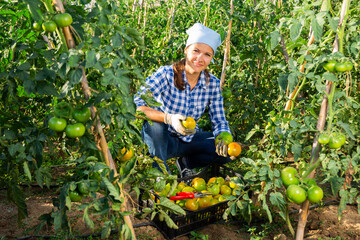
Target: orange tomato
pixel 192 204
pixel 234 149
pixel 123 157
pixel 189 123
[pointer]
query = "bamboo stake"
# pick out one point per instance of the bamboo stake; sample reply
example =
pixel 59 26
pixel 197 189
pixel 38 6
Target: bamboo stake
pixel 103 143
pixel 304 211
pixel 227 47
pixel 207 13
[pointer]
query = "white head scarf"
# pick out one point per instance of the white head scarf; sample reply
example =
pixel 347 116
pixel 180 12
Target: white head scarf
pixel 199 33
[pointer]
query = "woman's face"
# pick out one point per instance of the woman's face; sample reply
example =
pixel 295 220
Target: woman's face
pixel 198 57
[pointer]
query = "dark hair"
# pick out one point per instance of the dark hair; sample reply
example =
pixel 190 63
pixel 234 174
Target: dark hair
pixel 178 68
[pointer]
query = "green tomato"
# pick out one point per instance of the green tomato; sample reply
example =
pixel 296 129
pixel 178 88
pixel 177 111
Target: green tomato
pixel 94 186
pixel 330 66
pixel 225 136
pixel 288 176
pixel 57 124
pixel 37 26
pixel 75 196
pixel 63 19
pixel 75 130
pixel 81 114
pixel 315 194
pixel 49 26
pixel 214 189
pixel 343 67
pixel 336 141
pixel 84 187
pixel 324 138
pixel 296 194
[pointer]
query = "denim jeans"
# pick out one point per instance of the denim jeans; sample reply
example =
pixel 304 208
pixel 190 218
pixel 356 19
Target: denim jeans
pixel 200 152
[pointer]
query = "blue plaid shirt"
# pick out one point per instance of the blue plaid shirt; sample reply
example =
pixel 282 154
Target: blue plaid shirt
pixel 190 103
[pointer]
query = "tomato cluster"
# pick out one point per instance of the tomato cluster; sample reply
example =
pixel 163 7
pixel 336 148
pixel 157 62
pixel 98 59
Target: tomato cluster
pixel 333 66
pixel 298 191
pixel 59 20
pixel 82 188
pixel 334 140
pixel 64 112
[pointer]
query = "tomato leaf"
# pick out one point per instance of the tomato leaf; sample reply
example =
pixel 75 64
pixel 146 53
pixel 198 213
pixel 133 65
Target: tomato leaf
pixel 330 77
pixel 113 191
pixel 316 28
pixel 347 129
pixel 277 199
pixel 27 170
pixel 91 58
pixel 295 30
pixel 275 39
pixel 168 205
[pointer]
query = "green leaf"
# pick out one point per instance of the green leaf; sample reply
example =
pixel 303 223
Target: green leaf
pixel 295 30
pixel 275 39
pixel 277 199
pixel 34 7
pixel 330 77
pixel 87 219
pixel 168 205
pixel 296 148
pixel 91 58
pixel 283 81
pixel 27 170
pixel 334 22
pixel 267 210
pixel 116 40
pixel 24 67
pixel 316 28
pixel 106 230
pixel 57 216
pixel 75 76
pixel 347 129
pixel 344 200
pixel 112 190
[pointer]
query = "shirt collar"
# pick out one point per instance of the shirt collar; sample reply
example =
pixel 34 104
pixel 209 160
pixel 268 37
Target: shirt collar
pixel 202 79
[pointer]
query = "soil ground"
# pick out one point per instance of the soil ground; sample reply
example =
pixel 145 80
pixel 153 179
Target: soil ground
pixel 322 223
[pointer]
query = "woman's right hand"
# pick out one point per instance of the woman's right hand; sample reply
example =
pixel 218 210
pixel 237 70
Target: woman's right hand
pixel 175 121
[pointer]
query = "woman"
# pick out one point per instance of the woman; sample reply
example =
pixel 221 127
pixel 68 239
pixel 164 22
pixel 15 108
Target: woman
pixel 186 89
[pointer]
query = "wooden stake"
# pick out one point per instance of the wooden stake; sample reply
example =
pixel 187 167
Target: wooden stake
pixel 227 47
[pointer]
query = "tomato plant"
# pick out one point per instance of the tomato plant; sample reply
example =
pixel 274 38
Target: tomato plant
pixel 288 176
pixel 57 124
pixel 63 110
pixel 75 130
pixel 63 19
pixel 49 26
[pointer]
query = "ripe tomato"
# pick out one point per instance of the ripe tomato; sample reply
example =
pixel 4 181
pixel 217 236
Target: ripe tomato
pixel 324 138
pixel 288 176
pixel 225 190
pixel 234 149
pixel 296 194
pixel 75 130
pixel 336 141
pixel 75 196
pixel 343 67
pixel 81 114
pixel 57 124
pixel 189 123
pixel 330 66
pixel 124 157
pixel 204 202
pixel 192 204
pixel 225 136
pixel 315 194
pixel 199 184
pixel 49 26
pixel 63 19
